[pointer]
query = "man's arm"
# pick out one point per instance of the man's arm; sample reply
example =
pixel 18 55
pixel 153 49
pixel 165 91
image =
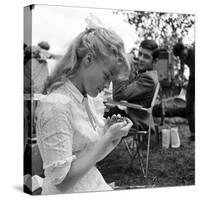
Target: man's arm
pixel 133 90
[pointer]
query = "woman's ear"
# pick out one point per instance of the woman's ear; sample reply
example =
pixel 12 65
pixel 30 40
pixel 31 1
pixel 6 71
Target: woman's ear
pixel 88 59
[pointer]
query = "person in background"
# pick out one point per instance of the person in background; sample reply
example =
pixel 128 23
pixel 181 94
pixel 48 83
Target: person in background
pixel 70 139
pixel 44 51
pixel 44 45
pixel 36 68
pixel 187 56
pixel 140 87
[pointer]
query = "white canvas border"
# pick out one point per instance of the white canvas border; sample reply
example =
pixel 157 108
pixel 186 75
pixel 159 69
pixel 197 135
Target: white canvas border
pixel 11 99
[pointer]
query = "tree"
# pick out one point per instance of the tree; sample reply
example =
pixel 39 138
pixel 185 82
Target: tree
pixel 166 29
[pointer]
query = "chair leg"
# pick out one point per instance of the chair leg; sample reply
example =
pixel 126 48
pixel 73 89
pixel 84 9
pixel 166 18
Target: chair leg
pixel 137 148
pixel 138 152
pixel 128 149
pixel 148 146
pixel 140 157
pixel 135 153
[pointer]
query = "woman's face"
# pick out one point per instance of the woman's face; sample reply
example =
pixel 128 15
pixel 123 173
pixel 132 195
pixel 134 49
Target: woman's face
pixel 98 74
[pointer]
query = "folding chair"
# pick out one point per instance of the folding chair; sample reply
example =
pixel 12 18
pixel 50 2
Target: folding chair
pixel 136 149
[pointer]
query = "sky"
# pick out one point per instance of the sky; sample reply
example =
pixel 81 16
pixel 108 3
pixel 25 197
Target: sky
pixel 59 25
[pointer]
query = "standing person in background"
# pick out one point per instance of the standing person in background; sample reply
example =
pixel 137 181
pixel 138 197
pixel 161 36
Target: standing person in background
pixel 187 56
pixel 70 138
pixel 44 51
pixel 35 68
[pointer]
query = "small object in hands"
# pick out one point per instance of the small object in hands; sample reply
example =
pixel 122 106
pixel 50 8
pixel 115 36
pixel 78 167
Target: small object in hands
pixel 117 119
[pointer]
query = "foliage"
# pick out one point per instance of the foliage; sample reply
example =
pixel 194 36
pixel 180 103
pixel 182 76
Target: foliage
pixel 165 28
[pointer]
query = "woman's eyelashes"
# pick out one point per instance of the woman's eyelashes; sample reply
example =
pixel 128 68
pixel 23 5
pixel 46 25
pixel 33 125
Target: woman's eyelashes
pixel 107 77
pixel 120 60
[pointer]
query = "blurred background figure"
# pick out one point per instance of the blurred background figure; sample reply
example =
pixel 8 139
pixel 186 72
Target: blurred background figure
pixel 36 68
pixel 187 56
pixel 36 72
pixel 44 45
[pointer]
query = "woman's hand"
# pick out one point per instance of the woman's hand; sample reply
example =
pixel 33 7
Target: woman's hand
pixel 115 131
pixel 107 124
pixel 110 121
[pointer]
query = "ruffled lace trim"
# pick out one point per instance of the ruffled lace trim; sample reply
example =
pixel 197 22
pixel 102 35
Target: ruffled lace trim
pixel 58 170
pixel 59 163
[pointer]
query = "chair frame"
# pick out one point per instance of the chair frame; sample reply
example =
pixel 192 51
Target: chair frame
pixel 138 151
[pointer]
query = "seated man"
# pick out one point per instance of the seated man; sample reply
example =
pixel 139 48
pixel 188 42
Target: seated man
pixel 140 88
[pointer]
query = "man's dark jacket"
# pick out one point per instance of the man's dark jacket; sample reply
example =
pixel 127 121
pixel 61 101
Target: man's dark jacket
pixel 138 91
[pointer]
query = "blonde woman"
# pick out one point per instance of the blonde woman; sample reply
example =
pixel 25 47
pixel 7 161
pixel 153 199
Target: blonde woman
pixel 70 138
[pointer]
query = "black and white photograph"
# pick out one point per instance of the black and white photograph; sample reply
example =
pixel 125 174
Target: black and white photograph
pixel 109 99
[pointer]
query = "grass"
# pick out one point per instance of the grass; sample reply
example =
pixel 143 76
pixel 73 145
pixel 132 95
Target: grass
pixel 167 167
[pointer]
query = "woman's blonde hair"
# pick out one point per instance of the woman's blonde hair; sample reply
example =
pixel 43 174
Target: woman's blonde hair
pixel 100 42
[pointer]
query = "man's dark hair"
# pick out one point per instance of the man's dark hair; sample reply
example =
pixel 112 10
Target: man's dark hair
pixel 44 45
pixel 151 45
pixel 178 49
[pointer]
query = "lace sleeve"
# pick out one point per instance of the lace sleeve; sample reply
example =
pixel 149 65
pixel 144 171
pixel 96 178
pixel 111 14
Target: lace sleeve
pixel 55 138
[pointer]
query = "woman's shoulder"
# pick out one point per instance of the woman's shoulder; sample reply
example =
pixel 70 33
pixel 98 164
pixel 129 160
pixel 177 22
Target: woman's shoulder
pixel 53 106
pixel 56 98
pixel 54 101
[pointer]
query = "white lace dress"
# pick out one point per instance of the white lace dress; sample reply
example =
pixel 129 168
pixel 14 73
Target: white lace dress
pixel 63 131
